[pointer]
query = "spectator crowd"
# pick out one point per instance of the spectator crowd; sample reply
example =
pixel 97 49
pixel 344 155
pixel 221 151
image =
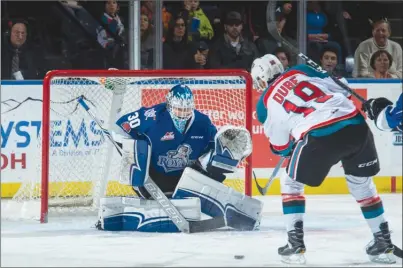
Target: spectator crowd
pixel 197 35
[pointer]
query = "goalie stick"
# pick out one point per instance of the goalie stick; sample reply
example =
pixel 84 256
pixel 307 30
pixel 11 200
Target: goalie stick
pixel 272 28
pixel 177 218
pixel 263 190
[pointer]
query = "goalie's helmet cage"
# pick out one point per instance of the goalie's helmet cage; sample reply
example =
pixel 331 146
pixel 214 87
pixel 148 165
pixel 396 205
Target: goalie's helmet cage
pixel 180 105
pixel 75 166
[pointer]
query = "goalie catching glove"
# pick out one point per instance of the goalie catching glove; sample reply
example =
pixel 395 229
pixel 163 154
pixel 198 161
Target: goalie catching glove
pixel 232 146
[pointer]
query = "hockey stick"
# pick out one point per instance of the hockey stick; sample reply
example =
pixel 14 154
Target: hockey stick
pixel 177 218
pixel 272 28
pixel 397 251
pixel 263 190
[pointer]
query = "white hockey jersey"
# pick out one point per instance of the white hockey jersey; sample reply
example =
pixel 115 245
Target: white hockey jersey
pixel 300 100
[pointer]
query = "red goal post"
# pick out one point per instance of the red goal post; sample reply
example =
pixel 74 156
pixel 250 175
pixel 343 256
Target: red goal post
pixel 225 95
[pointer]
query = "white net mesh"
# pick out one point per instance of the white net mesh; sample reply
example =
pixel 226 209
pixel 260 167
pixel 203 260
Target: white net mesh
pixel 82 165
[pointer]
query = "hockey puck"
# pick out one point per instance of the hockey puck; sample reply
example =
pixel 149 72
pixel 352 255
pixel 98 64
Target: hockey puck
pixel 239 257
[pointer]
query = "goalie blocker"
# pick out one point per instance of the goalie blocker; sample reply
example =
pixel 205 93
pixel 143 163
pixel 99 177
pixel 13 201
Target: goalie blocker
pixel 198 195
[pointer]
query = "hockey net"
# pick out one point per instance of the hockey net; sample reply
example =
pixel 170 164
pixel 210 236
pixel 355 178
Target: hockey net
pixel 78 165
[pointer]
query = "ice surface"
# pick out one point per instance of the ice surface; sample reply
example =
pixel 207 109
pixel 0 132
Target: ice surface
pixel 335 235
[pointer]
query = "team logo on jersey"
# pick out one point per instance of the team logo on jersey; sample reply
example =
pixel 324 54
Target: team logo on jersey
pixel 150 114
pixel 175 159
pixel 168 136
pixel 126 126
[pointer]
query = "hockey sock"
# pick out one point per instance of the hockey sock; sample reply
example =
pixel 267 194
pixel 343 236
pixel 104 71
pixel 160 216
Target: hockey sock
pixel 293 209
pixel 372 209
pixel 292 193
pixel 364 191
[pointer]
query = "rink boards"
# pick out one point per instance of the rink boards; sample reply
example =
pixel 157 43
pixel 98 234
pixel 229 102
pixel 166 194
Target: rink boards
pixel 21 110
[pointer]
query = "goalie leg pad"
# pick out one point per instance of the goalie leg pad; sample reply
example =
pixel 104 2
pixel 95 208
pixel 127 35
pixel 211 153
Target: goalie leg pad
pixel 135 214
pixel 240 211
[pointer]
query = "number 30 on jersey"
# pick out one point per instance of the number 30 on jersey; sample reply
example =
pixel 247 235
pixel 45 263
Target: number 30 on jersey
pixel 134 120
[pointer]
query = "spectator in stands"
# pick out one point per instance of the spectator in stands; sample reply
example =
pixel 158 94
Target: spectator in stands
pixel 284 56
pixel 214 14
pixel 113 23
pixel 148 8
pixel 317 21
pixel 256 18
pixel 380 62
pixel 18 60
pixel 266 44
pixel 166 18
pixel 342 24
pixel 199 25
pixel 281 15
pixel 380 41
pixel 232 50
pixel 147 42
pixel 112 36
pixel 200 57
pixel 177 49
pixel 328 57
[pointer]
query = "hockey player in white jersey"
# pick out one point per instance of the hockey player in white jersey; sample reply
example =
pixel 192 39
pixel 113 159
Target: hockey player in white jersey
pixel 387 117
pixel 311 120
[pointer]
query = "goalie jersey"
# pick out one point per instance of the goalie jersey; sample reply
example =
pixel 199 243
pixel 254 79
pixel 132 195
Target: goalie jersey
pixel 171 151
pixel 303 100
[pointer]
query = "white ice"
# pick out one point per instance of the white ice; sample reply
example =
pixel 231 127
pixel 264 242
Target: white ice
pixel 335 235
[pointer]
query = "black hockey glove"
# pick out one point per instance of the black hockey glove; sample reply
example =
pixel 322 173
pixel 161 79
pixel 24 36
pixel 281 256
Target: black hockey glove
pixel 373 107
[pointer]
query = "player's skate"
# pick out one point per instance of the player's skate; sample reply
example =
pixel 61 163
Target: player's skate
pixel 293 252
pixel 380 250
